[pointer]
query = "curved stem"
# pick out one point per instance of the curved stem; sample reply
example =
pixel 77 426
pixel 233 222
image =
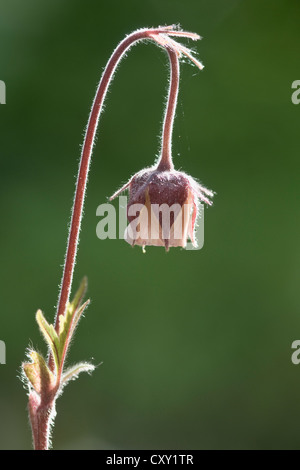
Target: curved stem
pixel 161 36
pixel 86 158
pixel 165 162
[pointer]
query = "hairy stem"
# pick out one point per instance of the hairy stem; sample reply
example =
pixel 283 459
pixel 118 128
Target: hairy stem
pixel 86 154
pixel 165 162
pixel 41 415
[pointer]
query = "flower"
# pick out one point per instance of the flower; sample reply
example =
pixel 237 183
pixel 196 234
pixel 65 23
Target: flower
pixel 163 207
pixel 164 203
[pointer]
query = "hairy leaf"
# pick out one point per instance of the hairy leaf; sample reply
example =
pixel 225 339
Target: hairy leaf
pixel 50 336
pixel 38 374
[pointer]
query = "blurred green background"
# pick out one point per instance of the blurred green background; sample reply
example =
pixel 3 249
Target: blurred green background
pixel 196 345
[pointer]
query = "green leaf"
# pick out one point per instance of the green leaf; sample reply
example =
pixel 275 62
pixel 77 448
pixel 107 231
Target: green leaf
pixel 78 314
pixel 68 322
pixel 79 294
pixel 59 341
pixel 73 372
pixel 50 336
pixel 64 327
pixel 38 374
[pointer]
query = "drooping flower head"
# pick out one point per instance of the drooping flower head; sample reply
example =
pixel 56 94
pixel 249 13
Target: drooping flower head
pixel 163 207
pixel 164 203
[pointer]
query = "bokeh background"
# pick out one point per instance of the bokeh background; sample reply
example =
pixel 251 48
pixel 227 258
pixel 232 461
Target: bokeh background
pixel 195 345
